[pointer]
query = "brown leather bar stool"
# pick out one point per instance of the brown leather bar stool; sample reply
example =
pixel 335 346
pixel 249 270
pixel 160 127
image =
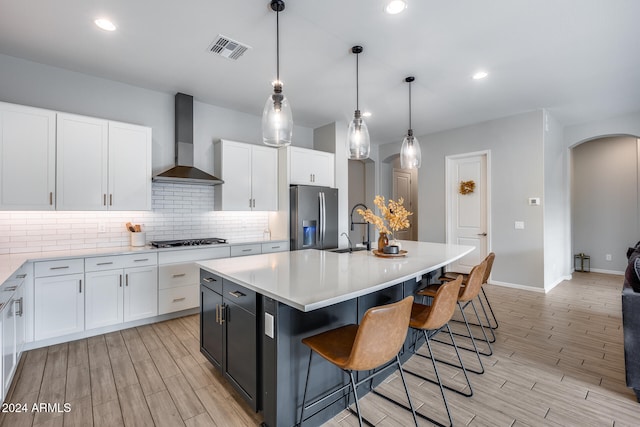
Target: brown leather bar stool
pixel 450 275
pixel 430 320
pixel 368 346
pixel 466 295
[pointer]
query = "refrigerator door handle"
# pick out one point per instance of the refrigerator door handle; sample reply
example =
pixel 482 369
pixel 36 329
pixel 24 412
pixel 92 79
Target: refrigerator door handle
pixel 319 243
pixel 324 219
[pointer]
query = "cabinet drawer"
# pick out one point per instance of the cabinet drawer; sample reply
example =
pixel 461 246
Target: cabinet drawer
pixel 211 281
pixel 242 250
pixel 120 261
pixel 239 295
pixel 174 275
pixel 268 248
pixel 59 268
pixel 176 299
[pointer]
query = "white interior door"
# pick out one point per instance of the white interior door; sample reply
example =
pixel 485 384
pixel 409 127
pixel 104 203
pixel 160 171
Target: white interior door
pixel 402 189
pixel 467 214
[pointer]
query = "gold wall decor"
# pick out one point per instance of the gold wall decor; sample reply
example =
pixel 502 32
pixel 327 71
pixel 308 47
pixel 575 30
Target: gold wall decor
pixel 467 187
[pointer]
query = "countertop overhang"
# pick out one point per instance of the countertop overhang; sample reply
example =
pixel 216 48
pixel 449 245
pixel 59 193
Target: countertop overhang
pixel 311 279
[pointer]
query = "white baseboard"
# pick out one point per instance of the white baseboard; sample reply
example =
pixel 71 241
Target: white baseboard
pixel 598 270
pixel 557 282
pixel 516 286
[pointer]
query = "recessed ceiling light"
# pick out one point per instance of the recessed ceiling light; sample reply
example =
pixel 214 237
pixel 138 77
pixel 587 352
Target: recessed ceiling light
pixel 480 75
pixel 105 24
pixel 395 6
pixel 366 114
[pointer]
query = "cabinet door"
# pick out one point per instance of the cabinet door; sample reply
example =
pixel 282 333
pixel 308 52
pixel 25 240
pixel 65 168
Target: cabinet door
pixel 8 344
pixel 300 167
pixel 236 173
pixel 104 298
pixel 140 293
pixel 59 306
pixel 82 156
pixel 264 178
pixel 129 167
pixel 27 158
pixel 210 328
pixel 323 169
pixel 241 350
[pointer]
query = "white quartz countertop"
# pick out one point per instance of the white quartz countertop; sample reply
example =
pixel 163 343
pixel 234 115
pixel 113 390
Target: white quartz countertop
pixel 9 263
pixel 311 279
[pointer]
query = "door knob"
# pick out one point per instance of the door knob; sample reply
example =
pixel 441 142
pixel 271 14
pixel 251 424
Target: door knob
pixel 482 234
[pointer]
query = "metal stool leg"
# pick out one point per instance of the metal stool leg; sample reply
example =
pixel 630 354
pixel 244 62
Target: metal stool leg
pixel 355 396
pixel 495 319
pixel 306 384
pixel 435 368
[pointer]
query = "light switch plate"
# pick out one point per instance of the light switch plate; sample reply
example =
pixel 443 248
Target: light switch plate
pixel 268 325
pixel 534 201
pixel 519 225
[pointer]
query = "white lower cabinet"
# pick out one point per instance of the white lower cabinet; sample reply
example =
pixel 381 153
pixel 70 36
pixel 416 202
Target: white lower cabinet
pixel 59 305
pixel 117 295
pixel 12 329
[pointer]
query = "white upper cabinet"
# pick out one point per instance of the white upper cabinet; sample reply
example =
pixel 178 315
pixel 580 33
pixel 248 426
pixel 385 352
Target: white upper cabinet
pixel 102 165
pixel 129 167
pixel 82 163
pixel 250 175
pixel 310 167
pixel 27 158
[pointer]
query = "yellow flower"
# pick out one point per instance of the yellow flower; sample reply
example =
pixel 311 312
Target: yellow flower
pixel 394 215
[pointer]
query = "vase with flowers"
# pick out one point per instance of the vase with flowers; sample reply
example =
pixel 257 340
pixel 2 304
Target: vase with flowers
pixel 394 217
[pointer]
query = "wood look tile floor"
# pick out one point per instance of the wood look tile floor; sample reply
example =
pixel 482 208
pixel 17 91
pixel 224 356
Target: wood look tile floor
pixel 557 361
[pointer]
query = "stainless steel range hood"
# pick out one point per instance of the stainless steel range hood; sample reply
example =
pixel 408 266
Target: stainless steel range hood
pixel 184 172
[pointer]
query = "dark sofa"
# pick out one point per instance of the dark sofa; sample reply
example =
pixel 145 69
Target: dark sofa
pixel 631 327
pixel 631 319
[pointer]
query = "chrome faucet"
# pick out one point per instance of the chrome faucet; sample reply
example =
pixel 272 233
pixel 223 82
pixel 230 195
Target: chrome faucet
pixel 368 239
pixel 350 245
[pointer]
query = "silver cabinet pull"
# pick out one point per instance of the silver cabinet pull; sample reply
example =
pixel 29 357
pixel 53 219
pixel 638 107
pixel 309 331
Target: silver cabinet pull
pixel 21 276
pixel 247 250
pixel 121 280
pixel 179 275
pixel 104 199
pixel 80 288
pixel 105 263
pixel 10 288
pixel 126 279
pixel 222 311
pixel 179 299
pixel 59 268
pixel 275 247
pixel 209 279
pixel 141 260
pixel 237 294
pixel 110 199
pixel 51 198
pixel 20 302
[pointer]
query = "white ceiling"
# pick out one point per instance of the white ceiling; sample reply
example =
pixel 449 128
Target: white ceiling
pixel 578 58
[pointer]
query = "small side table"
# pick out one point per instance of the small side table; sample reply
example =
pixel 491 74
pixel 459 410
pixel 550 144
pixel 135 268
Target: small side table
pixel 585 262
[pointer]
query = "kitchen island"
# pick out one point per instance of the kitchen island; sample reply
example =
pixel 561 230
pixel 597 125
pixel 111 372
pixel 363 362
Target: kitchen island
pixel 256 310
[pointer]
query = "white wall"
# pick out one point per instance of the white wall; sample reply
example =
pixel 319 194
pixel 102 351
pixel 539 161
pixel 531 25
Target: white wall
pixel 38 85
pixel 516 145
pixel 605 200
pixel 555 205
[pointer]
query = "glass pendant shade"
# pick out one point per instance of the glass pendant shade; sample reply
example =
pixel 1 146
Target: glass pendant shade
pixel 277 120
pixel 358 143
pixel 410 154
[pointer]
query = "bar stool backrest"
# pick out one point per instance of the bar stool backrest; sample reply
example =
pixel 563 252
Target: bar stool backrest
pixel 474 282
pixel 381 334
pixel 442 307
pixel 487 272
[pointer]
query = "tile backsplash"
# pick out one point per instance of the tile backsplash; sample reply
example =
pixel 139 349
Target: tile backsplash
pixel 178 212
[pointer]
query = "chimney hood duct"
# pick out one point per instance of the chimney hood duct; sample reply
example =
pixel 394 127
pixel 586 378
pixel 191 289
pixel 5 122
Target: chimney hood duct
pixel 184 172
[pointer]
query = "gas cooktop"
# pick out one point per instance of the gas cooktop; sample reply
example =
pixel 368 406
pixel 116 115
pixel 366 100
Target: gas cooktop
pixel 187 242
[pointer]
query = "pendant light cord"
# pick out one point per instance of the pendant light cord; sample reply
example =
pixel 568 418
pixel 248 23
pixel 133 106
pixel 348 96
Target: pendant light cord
pixel 278 46
pixel 409 105
pixel 357 83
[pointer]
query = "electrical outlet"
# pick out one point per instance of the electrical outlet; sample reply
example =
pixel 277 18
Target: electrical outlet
pixel 102 227
pixel 519 225
pixel 608 257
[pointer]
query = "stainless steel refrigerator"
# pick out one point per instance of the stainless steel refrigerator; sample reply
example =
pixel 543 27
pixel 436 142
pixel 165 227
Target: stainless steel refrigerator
pixel 314 217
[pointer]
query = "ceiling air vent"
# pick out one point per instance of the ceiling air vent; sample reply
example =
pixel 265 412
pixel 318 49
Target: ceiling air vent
pixel 227 48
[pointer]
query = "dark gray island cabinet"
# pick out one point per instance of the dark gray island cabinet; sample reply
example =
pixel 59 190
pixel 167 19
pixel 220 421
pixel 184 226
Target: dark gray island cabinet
pixel 256 310
pixel 228 328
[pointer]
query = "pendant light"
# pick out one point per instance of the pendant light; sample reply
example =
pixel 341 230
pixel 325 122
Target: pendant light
pixel 410 155
pixel 358 144
pixel 277 121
